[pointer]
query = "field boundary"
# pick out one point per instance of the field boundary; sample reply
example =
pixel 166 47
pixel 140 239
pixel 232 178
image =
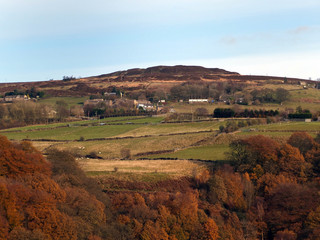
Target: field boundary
pixel 267 130
pixel 116 138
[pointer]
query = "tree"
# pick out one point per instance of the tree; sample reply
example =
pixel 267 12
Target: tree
pixel 3 112
pixel 285 235
pixel 303 141
pixel 125 153
pixel 20 159
pixel 291 162
pixel 223 113
pixel 206 231
pixel 313 221
pixel 62 110
pixel 282 95
pixel 253 151
pixel 288 207
pixel 201 112
pixel 217 190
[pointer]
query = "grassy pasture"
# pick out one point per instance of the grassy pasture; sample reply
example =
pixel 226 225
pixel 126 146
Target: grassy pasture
pixel 73 133
pixel 75 130
pixel 174 128
pixel 210 152
pixel 89 132
pixel 171 167
pixel 140 170
pixel 291 126
pixel 111 120
pixel 70 100
pixel 111 149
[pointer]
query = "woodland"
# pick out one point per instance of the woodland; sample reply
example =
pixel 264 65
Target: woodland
pixel 270 190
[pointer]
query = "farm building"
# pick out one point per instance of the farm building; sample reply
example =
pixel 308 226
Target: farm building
pixel 198 100
pixel 16 98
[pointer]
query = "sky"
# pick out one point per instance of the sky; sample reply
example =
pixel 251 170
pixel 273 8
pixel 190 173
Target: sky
pixel 49 39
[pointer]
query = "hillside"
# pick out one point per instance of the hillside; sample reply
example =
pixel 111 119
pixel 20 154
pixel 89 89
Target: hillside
pixel 100 167
pixel 137 79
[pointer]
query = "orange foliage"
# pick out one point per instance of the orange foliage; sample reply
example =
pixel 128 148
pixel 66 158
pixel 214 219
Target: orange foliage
pixel 123 219
pixel 207 231
pixel 268 182
pixel 303 141
pixel 16 160
pixel 44 183
pixel 4 227
pixel 234 189
pixel 94 237
pixel 9 208
pixel 264 147
pixel 291 162
pixel 289 205
pixel 285 235
pixel 51 221
pixel 202 178
pixel 228 222
pixel 153 231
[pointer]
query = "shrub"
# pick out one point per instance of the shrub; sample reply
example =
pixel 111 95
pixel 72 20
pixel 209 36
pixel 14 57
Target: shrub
pixel 125 153
pixel 223 113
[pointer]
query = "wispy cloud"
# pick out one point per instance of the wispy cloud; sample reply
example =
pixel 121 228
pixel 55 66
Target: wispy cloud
pixel 300 30
pixel 229 40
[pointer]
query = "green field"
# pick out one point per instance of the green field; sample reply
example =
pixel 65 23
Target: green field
pixel 147 137
pixel 210 152
pixel 75 130
pixel 111 149
pixel 291 126
pixel 71 101
pixel 174 128
pixel 73 133
pixel 111 120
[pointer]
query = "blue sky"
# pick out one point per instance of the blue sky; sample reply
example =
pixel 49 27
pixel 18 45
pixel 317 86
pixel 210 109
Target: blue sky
pixel 47 39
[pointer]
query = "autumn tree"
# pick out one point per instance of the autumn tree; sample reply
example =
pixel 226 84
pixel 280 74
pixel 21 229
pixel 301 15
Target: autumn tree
pixel 292 163
pixel 288 207
pixel 16 160
pixel 248 153
pixel 35 206
pixel 303 141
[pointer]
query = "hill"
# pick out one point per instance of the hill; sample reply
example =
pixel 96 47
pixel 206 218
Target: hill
pixel 137 78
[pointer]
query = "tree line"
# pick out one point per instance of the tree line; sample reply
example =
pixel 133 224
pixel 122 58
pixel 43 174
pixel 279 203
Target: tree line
pixel 28 113
pixel 229 113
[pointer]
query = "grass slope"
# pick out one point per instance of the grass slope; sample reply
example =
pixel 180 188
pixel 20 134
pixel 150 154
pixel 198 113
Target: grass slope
pixel 210 152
